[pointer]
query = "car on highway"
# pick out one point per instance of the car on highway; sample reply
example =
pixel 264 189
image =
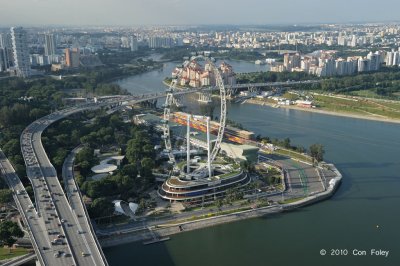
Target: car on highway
pixel 57 241
pixel 58 253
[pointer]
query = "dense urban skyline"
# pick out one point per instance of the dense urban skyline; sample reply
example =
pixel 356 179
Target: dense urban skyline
pixel 178 12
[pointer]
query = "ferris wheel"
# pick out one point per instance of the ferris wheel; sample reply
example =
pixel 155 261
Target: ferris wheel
pixel 169 101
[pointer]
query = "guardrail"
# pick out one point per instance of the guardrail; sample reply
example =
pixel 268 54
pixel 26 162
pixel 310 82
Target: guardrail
pixel 20 260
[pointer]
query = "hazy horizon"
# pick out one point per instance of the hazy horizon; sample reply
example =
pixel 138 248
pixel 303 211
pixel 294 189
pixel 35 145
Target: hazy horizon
pixel 189 12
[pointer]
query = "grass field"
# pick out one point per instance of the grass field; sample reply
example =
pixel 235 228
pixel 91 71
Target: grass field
pixel 366 93
pixel 15 252
pixel 359 106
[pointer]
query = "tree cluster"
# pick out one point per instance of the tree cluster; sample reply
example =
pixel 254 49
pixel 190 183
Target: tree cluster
pixel 5 196
pixel 263 77
pixel 9 232
pixel 317 152
pixel 285 143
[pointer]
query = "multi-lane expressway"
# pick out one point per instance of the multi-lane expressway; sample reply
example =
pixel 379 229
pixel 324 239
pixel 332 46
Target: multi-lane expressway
pixel 69 235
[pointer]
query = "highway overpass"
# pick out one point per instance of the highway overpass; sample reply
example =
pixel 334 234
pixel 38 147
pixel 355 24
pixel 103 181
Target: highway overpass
pixel 62 232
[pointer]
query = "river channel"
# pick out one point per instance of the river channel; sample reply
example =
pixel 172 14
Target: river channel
pixel 362 215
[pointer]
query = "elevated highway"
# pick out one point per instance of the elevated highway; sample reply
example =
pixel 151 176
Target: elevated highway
pixel 61 230
pixel 76 242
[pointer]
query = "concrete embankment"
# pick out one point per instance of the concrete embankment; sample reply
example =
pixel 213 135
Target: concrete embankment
pixel 172 228
pixel 168 229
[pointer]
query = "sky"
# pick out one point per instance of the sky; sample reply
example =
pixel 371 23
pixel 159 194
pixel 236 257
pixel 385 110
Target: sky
pixel 194 12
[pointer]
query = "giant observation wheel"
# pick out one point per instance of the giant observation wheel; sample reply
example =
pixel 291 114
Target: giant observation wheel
pixel 169 101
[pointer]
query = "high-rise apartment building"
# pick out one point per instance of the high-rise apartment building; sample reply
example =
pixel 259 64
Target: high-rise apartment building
pixel 2 40
pixel 125 42
pixel 342 41
pixel 375 61
pixel 392 58
pixel 353 42
pixel 389 58
pixel 72 57
pixel 291 61
pixel 364 65
pixel 20 52
pixel 2 60
pixel 134 43
pixel 49 45
pixel 158 42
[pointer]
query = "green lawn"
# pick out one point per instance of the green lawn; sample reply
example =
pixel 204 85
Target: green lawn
pixel 15 252
pixel 229 174
pixel 293 154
